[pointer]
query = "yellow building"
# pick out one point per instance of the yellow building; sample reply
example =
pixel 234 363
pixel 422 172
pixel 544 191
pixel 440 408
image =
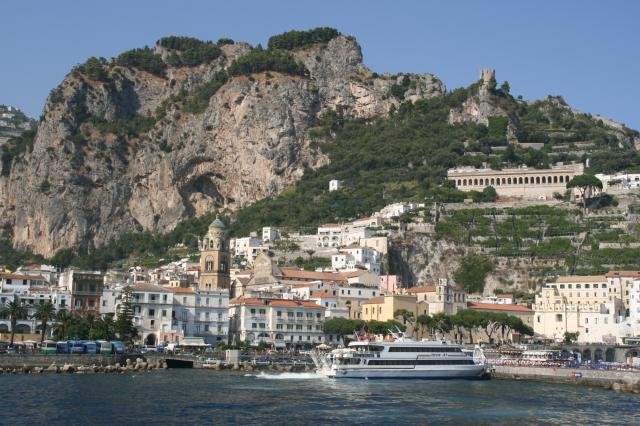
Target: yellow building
pixel 382 308
pixel 583 304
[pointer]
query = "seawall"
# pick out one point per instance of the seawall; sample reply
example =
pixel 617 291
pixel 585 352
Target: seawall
pixel 618 380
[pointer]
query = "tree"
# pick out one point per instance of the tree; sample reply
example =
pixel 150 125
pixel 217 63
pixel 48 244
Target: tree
pixel 504 88
pixel 586 184
pixel 15 310
pixel 472 272
pixel 63 324
pixel 407 316
pixel 571 337
pixel 45 312
pixel 310 252
pixel 124 322
pixel 423 322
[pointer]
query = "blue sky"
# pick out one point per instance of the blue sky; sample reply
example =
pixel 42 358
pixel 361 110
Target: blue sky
pixel 586 51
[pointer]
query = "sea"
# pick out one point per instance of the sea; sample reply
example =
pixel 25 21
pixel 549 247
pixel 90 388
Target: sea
pixel 224 397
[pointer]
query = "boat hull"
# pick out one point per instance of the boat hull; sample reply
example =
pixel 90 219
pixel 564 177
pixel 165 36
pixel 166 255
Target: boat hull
pixel 470 372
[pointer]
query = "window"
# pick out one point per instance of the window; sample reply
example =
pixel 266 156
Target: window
pixel 184 315
pixel 164 313
pixel 219 316
pixel 298 326
pixel 253 311
pixel 262 325
pixel 558 317
pixel 298 314
pixel 152 313
pixel 263 311
pixel 254 325
pixel 289 326
pixel 184 300
pixel 206 301
pixel 538 318
pixel 279 314
pixel 290 314
pixel 309 328
pixel 206 328
pixel 164 298
pixel 278 326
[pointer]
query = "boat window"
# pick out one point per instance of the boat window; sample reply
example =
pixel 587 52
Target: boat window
pixel 438 349
pixel 413 362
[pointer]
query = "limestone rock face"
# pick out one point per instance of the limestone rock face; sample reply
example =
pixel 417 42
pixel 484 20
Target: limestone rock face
pixel 480 107
pixel 81 185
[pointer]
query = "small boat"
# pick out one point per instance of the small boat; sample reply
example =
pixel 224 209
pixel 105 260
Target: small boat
pixel 402 358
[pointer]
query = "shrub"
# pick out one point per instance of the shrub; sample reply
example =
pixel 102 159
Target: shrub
pixel 198 100
pixel 94 68
pixel 259 60
pixel 297 39
pixel 143 59
pixel 190 51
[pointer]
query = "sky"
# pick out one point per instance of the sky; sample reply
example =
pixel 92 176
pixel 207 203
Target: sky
pixel 587 51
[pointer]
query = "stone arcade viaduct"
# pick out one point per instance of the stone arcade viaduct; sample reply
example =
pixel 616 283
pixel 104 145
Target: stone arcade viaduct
pixel 521 182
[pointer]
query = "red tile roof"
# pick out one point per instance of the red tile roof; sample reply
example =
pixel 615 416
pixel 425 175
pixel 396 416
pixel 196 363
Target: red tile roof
pixel 498 307
pixel 12 276
pixel 323 295
pixel 148 287
pixel 279 303
pixel 422 289
pixel 504 296
pixel 294 273
pixel 179 289
pixel 626 274
pixel 374 300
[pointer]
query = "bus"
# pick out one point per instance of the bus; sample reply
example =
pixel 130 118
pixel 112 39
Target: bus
pixel 105 347
pixel 49 347
pixel 91 347
pixel 117 346
pixel 631 341
pixel 77 347
pixel 63 347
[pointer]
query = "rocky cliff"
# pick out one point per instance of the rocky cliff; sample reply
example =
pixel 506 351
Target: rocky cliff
pixel 119 149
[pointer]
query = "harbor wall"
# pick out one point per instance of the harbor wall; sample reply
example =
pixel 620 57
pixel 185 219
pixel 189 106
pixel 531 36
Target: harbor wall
pixel 627 380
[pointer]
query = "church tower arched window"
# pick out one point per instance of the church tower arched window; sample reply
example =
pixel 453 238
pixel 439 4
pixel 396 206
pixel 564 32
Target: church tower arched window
pixel 208 264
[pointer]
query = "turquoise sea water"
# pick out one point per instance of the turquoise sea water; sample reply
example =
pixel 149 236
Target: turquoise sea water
pixel 211 397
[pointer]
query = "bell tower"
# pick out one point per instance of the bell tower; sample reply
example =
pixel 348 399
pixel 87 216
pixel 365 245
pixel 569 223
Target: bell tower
pixel 214 258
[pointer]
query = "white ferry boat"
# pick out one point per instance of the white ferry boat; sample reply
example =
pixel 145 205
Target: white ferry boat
pixel 402 358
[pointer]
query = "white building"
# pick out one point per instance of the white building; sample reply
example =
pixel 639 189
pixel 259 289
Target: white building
pixel 334 235
pixel 20 283
pixel 335 184
pixel 152 312
pixel 269 234
pixel 619 181
pixel 278 322
pixel 247 248
pixel 397 210
pixel 353 258
pixel 199 314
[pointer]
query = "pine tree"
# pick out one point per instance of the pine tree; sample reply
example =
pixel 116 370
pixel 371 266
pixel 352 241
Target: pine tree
pixel 124 322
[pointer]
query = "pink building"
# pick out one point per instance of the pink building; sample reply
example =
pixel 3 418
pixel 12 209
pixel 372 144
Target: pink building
pixel 390 283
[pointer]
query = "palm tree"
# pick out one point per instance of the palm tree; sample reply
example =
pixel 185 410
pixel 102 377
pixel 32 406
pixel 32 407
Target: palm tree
pixel 45 312
pixel 15 310
pixel 64 321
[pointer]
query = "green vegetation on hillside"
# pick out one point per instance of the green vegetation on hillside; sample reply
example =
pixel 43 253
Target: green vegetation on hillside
pixel 403 157
pixel 94 68
pixel 143 59
pixel 189 51
pixel 259 60
pixel 297 39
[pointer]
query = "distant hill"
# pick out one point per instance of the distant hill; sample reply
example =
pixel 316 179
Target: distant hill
pixel 13 123
pixel 157 137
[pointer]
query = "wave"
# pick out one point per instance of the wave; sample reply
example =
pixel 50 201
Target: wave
pixel 286 376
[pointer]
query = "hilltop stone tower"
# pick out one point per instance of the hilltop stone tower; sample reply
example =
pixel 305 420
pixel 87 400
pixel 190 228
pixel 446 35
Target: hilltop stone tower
pixel 214 258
